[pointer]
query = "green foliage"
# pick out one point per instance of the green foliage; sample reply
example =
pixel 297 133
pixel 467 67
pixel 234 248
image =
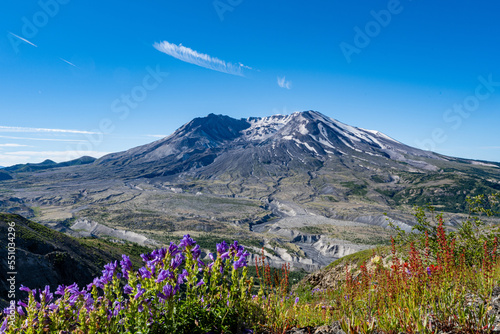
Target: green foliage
pixel 471 236
pixel 355 188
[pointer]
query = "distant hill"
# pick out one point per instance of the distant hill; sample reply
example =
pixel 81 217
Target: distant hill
pixel 46 257
pixel 5 176
pixel 47 164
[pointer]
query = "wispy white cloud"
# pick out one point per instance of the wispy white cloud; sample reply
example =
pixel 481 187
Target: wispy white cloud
pixel 23 39
pixel 37 130
pixel 68 62
pixel 283 83
pixel 191 56
pixel 45 139
pixel 13 145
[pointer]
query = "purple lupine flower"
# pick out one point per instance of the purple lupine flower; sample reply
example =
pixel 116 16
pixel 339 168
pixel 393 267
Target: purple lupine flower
pixel 182 277
pixel 24 288
pixel 173 249
pixel 146 257
pixel 140 292
pixel 168 290
pixel 98 283
pixel 20 311
pixel 46 295
pixel 109 269
pixel 145 273
pixel 152 266
pixel 186 241
pixel 73 299
pixel 60 290
pixel 241 262
pixel 73 288
pixel 196 251
pixel 4 325
pixel 126 265
pixel 127 289
pixel 177 261
pixel 164 274
pixel 222 247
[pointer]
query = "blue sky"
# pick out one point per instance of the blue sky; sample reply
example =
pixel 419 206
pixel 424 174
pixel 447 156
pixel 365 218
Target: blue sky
pixel 96 77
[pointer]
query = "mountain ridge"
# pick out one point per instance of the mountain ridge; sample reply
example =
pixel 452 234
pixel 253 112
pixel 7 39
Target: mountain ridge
pixel 306 187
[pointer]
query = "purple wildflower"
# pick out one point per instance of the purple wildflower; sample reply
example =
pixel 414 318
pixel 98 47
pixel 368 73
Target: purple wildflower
pixel 164 274
pixel 222 247
pixel 241 262
pixel 146 257
pixel 173 249
pixel 140 292
pixel 46 295
pixel 211 256
pixel 53 307
pixel 186 241
pixel 181 277
pixel 145 273
pixel 126 265
pixel 429 271
pixel 196 252
pixel 24 288
pixel 4 325
pixel 177 261
pixel 60 290
pixel 168 290
pixel 98 283
pixel 20 311
pixel 296 300
pixel 127 289
pixel 200 283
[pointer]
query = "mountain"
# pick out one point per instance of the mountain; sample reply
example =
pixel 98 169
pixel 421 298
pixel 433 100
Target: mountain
pixel 303 138
pixel 306 187
pixel 47 164
pixel 253 151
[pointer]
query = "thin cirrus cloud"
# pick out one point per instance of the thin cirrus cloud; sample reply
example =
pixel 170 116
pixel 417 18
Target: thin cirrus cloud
pixel 283 83
pixel 38 130
pixel 44 139
pixel 23 39
pixel 68 62
pixel 191 56
pixel 12 145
